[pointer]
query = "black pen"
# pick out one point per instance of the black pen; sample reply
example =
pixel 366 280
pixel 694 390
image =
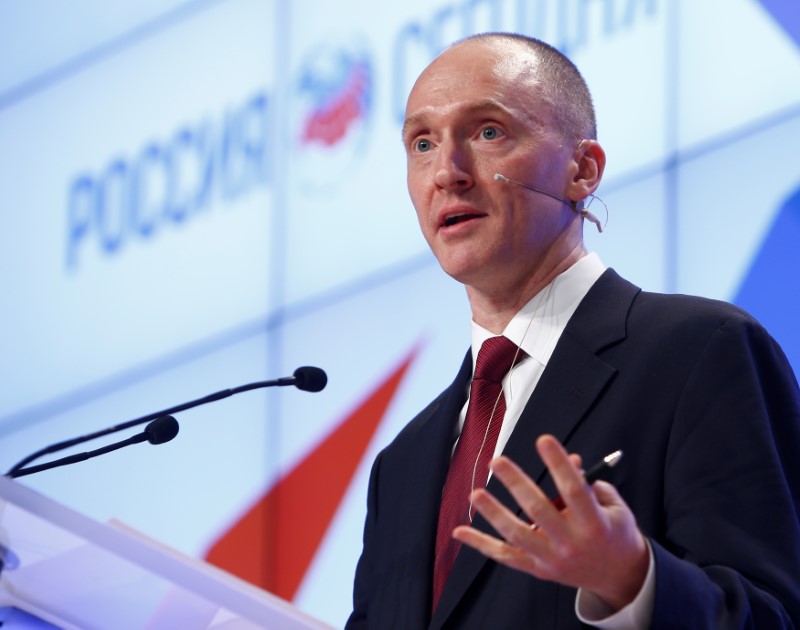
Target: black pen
pixel 593 474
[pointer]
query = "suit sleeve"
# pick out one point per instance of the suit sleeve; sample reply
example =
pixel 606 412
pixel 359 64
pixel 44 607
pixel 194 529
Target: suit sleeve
pixel 729 555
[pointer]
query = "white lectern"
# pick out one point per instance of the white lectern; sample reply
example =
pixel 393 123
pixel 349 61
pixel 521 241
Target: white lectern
pixel 67 570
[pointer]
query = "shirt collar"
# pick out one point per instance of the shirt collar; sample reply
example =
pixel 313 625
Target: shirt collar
pixel 538 325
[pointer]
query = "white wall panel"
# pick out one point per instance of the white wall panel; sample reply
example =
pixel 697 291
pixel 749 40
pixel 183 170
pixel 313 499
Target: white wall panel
pixel 728 199
pixel 137 199
pixel 737 65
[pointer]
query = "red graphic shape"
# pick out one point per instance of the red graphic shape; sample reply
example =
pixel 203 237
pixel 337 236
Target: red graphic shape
pixel 273 544
pixel 330 124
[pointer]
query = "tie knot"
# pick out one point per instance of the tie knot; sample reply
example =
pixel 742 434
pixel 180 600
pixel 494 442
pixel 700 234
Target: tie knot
pixel 495 358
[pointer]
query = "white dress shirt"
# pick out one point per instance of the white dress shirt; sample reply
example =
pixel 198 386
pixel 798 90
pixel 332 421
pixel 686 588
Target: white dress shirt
pixel 536 328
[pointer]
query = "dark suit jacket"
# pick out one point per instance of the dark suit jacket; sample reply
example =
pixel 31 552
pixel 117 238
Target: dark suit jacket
pixel 707 411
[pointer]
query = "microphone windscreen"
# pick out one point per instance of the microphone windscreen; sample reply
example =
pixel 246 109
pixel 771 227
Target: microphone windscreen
pixel 310 379
pixel 162 430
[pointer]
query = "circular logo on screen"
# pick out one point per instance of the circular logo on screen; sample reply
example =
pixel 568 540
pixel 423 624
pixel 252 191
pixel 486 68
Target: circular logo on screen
pixel 331 115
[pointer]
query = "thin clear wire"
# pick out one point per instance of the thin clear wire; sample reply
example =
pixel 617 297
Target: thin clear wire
pixel 544 300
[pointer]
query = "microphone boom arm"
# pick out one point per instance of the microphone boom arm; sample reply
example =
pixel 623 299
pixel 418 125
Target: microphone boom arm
pixel 306 378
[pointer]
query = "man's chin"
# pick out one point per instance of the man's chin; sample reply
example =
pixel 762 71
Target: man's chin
pixel 459 267
pixel 467 274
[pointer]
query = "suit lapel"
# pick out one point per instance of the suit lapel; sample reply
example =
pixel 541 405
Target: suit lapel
pixel 571 383
pixel 425 470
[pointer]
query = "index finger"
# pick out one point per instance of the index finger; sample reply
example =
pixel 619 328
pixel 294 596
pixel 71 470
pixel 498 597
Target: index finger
pixel 574 492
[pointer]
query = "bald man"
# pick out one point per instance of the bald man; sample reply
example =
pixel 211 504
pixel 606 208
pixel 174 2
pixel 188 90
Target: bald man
pixel 697 527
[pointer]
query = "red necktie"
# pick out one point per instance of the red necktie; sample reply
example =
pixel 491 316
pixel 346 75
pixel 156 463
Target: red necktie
pixel 477 442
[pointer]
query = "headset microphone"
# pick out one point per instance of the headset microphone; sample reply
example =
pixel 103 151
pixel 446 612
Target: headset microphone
pixel 584 212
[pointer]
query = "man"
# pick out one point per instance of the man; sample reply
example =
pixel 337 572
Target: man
pixel 697 527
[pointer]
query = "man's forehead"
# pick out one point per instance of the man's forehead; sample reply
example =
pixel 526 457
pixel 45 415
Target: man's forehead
pixel 499 62
pixel 475 76
pixel 499 55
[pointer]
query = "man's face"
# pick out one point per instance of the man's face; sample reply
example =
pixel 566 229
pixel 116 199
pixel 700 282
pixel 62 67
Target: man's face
pixel 476 111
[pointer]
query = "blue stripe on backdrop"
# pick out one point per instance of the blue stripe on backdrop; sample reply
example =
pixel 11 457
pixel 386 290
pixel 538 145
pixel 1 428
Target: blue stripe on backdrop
pixel 771 288
pixel 787 13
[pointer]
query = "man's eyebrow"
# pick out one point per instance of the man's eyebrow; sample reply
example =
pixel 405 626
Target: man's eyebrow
pixel 486 105
pixel 411 121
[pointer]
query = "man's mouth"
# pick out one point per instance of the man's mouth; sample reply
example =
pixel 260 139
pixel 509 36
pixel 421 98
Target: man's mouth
pixel 459 218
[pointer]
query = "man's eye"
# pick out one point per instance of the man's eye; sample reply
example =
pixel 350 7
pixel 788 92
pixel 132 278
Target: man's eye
pixel 490 133
pixel 422 146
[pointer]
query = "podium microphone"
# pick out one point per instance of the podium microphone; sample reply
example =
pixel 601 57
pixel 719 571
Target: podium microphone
pixel 159 431
pixel 306 378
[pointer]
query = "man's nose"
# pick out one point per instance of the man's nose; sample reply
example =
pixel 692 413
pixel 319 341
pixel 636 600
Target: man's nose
pixel 453 167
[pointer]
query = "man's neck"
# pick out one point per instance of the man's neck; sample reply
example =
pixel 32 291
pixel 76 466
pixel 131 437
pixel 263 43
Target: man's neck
pixel 495 308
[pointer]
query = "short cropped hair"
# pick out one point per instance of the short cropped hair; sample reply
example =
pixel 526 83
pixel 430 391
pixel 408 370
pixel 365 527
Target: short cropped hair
pixel 562 84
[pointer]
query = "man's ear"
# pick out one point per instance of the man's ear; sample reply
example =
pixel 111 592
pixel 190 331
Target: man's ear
pixel 589 162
